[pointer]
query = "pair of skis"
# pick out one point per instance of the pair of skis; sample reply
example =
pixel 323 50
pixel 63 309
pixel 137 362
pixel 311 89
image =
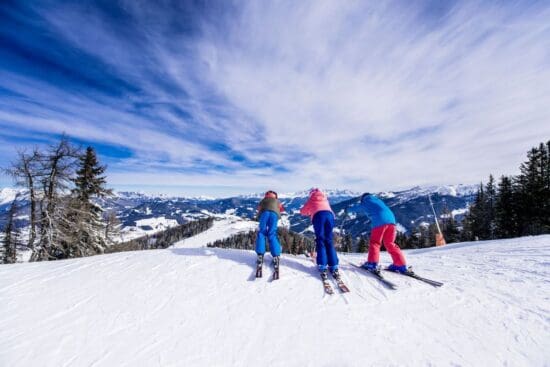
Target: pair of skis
pixel 339 282
pixel 260 265
pixel 324 278
pixel 409 273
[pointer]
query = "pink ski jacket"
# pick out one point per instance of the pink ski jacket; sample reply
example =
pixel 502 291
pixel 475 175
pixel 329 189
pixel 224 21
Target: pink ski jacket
pixel 317 202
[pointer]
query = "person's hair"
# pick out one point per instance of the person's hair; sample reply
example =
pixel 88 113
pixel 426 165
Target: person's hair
pixel 364 195
pixel 272 192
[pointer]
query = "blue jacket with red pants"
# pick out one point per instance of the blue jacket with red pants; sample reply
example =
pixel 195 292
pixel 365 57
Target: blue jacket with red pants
pixel 383 230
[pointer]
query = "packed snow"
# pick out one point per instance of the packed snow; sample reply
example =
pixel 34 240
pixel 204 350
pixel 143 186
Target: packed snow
pixel 195 306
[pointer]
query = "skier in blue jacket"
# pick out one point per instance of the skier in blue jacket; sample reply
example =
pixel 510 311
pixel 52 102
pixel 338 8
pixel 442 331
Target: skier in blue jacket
pixel 383 232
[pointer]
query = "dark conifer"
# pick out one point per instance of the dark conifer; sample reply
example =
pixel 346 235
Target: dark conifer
pixel 11 236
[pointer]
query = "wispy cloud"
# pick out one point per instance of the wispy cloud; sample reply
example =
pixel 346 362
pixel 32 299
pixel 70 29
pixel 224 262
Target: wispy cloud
pixel 366 95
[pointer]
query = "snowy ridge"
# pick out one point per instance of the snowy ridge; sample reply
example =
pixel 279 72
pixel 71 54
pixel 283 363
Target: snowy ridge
pixel 8 195
pixel 450 190
pixel 196 306
pixel 142 195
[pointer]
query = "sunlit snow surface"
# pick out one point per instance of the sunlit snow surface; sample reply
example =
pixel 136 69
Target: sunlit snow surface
pixel 196 306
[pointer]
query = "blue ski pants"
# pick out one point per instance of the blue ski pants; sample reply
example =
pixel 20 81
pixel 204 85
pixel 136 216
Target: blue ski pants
pixel 268 229
pixel 323 224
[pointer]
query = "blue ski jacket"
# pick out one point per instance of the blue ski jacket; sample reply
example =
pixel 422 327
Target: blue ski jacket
pixel 377 211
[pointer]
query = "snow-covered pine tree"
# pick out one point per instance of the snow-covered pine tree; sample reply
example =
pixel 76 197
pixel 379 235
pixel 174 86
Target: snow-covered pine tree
pixel 87 236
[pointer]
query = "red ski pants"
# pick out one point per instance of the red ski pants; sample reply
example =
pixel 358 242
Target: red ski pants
pixel 386 234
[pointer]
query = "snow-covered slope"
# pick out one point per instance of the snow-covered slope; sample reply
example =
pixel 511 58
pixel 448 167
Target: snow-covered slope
pixel 145 227
pixel 224 226
pixel 194 306
pixel 8 195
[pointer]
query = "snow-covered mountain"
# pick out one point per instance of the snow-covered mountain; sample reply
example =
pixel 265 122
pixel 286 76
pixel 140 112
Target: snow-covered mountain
pixel 410 206
pixel 194 306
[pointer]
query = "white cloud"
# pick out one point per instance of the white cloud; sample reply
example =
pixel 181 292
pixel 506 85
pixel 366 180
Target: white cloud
pixel 322 76
pixel 364 95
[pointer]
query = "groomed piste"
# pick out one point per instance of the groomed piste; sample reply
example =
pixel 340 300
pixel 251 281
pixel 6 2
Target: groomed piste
pixel 195 306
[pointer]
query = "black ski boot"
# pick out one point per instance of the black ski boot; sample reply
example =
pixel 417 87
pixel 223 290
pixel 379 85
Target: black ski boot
pixel 326 284
pixel 259 266
pixel 276 262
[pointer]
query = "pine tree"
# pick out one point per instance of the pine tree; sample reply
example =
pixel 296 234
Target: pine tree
pixel 449 227
pixel 89 180
pixel 348 243
pixel 521 206
pixel 11 236
pixel 533 193
pixel 545 195
pixel 415 239
pixel 362 245
pixel 506 218
pixel 403 240
pixel 475 222
pixel 430 237
pixel 489 212
pixel 85 227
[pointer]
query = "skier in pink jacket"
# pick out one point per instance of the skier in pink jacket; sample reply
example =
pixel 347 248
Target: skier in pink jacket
pixel 318 209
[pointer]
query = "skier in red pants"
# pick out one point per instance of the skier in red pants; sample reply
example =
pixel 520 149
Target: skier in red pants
pixel 383 231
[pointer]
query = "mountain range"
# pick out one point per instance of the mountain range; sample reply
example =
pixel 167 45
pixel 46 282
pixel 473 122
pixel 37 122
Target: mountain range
pixel 411 207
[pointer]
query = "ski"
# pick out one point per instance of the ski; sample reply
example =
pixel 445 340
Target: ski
pixel 412 274
pixel 378 276
pixel 340 283
pixel 326 285
pixel 342 286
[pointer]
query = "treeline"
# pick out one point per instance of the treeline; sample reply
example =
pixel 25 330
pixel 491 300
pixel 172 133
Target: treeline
pixel 291 242
pixel 62 180
pixel 517 205
pixel 165 238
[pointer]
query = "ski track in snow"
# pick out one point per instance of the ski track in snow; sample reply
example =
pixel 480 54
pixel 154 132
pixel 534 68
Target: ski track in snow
pixel 195 306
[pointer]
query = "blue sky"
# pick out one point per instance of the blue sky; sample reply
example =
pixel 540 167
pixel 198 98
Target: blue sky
pixel 218 98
